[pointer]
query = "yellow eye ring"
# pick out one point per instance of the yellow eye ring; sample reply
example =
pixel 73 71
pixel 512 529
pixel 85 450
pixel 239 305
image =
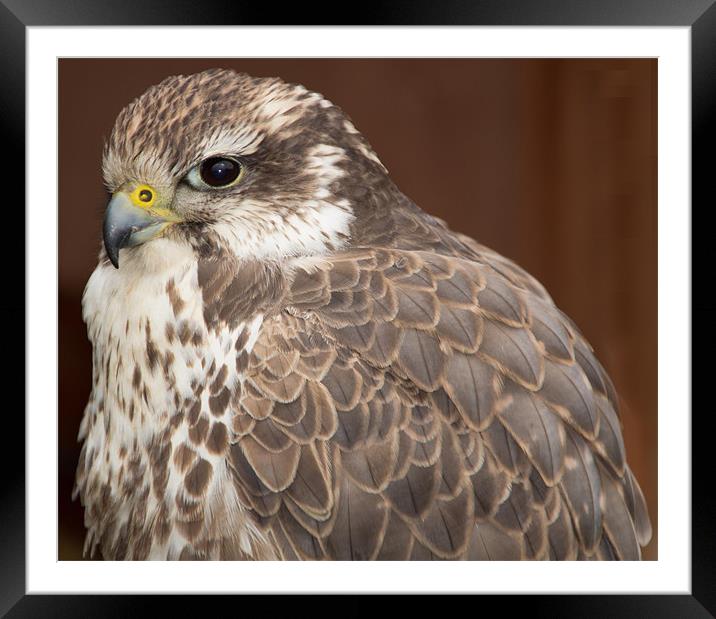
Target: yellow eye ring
pixel 143 196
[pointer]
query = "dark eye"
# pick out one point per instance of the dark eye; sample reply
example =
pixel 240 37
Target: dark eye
pixel 219 171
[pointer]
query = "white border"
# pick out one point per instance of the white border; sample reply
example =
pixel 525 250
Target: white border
pixel 671 573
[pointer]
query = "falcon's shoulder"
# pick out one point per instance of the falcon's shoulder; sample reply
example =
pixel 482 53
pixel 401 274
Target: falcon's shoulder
pixel 406 404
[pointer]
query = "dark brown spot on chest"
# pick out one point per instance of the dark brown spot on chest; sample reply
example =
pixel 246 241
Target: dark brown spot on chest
pixel 184 456
pixel 198 432
pixel 175 299
pixel 218 439
pixel 136 378
pixel 218 403
pixel 152 352
pixel 198 478
pixel 219 380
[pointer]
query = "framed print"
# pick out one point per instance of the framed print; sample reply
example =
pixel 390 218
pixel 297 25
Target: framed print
pixel 559 139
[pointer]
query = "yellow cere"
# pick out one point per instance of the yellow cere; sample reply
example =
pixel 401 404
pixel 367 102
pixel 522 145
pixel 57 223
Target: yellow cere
pixel 143 196
pixel 146 197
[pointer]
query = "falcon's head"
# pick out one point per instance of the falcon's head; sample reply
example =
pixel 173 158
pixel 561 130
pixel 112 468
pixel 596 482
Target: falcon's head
pixel 221 161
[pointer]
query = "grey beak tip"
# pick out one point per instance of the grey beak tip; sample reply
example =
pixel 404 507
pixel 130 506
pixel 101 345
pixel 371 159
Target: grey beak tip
pixel 125 225
pixel 121 220
pixel 114 240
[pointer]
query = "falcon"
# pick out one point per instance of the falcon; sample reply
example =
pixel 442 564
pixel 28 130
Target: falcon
pixel 292 361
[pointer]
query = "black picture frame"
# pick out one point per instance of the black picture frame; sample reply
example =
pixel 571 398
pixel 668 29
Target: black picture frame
pixel 17 15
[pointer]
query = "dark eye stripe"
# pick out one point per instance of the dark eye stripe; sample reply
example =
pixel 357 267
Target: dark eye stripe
pixel 219 171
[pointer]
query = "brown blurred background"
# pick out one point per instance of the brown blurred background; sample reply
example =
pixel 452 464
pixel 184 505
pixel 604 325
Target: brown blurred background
pixel 550 162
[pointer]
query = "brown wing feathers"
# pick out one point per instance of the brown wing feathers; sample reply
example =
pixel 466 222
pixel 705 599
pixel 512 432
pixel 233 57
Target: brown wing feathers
pixel 409 405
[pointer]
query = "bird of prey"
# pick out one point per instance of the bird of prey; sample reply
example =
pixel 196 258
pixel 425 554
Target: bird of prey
pixel 292 361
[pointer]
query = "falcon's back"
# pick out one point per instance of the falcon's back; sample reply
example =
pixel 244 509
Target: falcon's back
pixel 427 400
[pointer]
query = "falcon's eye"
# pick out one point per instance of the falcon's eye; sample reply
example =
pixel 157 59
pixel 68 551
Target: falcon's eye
pixel 215 173
pixel 219 172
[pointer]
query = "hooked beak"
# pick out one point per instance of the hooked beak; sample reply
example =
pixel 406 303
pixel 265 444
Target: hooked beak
pixel 126 224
